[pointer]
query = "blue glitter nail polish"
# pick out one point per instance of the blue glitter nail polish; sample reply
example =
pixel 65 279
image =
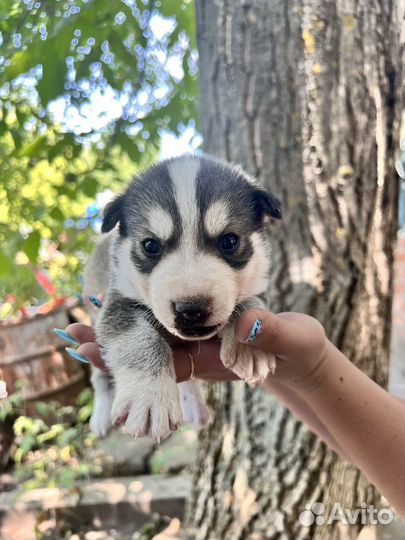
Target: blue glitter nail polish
pixel 65 336
pixel 256 330
pixel 76 356
pixel 95 301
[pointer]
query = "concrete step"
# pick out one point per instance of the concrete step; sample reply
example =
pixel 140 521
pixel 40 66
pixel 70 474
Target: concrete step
pixel 99 504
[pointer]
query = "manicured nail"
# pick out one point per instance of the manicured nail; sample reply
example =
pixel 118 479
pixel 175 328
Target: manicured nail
pixel 66 336
pixel 95 301
pixel 76 356
pixel 255 331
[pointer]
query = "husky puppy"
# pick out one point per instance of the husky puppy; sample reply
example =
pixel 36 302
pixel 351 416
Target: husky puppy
pixel 186 252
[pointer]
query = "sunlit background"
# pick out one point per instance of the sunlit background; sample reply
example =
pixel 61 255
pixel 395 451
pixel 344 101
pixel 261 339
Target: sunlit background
pixel 89 96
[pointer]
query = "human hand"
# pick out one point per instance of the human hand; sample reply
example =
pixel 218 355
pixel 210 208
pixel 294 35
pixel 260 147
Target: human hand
pixel 297 341
pixel 205 354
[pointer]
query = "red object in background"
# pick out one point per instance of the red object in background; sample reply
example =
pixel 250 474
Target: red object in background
pixel 43 281
pixel 23 311
pixel 51 305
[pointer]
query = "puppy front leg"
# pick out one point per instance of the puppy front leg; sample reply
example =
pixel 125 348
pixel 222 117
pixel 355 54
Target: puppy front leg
pixel 146 396
pixel 100 421
pixel 250 364
pixel 193 405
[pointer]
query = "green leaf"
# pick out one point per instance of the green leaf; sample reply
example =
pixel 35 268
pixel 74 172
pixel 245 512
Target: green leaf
pixel 120 51
pixel 85 397
pixel 27 443
pixel 42 408
pixel 22 424
pixel 3 128
pixel 129 146
pixel 17 138
pixel 66 436
pixel 57 214
pixel 85 413
pixel 90 187
pixel 61 146
pixel 5 264
pixel 52 83
pixel 21 62
pixel 31 246
pixel 52 433
pixel 33 149
pixel 67 477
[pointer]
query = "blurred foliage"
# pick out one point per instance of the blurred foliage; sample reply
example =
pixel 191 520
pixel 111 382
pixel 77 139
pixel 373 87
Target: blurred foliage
pixel 86 86
pixel 151 529
pixel 54 452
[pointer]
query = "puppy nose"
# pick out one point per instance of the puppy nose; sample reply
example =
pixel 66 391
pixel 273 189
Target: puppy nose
pixel 191 312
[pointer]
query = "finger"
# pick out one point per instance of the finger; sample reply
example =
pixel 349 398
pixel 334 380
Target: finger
pixel 207 361
pixel 263 329
pixel 182 364
pixel 227 376
pixel 81 332
pixel 91 351
pixel 207 364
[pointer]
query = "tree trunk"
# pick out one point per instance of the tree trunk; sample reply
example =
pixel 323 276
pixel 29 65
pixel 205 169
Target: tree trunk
pixel 305 95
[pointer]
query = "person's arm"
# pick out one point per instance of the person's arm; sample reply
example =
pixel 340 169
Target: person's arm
pixel 354 416
pixel 303 411
pixel 368 422
pixel 209 367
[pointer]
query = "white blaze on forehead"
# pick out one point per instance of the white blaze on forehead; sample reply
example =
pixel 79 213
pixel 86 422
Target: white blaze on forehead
pixel 160 223
pixel 216 218
pixel 183 173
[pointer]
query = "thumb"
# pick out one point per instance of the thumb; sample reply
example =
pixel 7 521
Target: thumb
pixel 264 330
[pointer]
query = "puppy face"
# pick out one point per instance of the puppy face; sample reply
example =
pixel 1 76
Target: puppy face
pixel 192 242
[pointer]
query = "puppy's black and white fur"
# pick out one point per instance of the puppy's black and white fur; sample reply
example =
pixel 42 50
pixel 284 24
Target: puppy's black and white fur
pixel 186 252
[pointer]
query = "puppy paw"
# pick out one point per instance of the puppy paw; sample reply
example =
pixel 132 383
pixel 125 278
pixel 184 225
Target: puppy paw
pixel 250 364
pixel 148 408
pixel 100 421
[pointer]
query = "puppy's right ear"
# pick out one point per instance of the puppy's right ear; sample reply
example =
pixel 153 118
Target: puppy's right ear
pixel 114 213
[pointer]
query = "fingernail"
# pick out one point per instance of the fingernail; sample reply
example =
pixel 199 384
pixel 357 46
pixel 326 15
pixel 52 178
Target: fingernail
pixel 95 301
pixel 76 356
pixel 66 336
pixel 255 331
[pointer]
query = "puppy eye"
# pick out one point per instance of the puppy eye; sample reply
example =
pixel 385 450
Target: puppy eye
pixel 228 243
pixel 151 246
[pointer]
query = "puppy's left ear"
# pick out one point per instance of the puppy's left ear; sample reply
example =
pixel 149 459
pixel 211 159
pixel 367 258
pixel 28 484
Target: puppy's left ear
pixel 266 205
pixel 114 213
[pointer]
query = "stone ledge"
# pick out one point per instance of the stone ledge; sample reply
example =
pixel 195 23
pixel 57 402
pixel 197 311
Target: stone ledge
pixel 99 503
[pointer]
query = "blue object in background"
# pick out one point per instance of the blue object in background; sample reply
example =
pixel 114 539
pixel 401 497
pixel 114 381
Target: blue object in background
pixel 400 167
pixel 401 216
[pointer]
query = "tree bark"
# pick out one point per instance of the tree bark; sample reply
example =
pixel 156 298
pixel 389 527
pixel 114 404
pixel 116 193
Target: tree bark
pixel 306 96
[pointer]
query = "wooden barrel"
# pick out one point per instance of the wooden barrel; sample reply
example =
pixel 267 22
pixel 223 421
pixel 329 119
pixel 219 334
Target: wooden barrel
pixel 30 351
